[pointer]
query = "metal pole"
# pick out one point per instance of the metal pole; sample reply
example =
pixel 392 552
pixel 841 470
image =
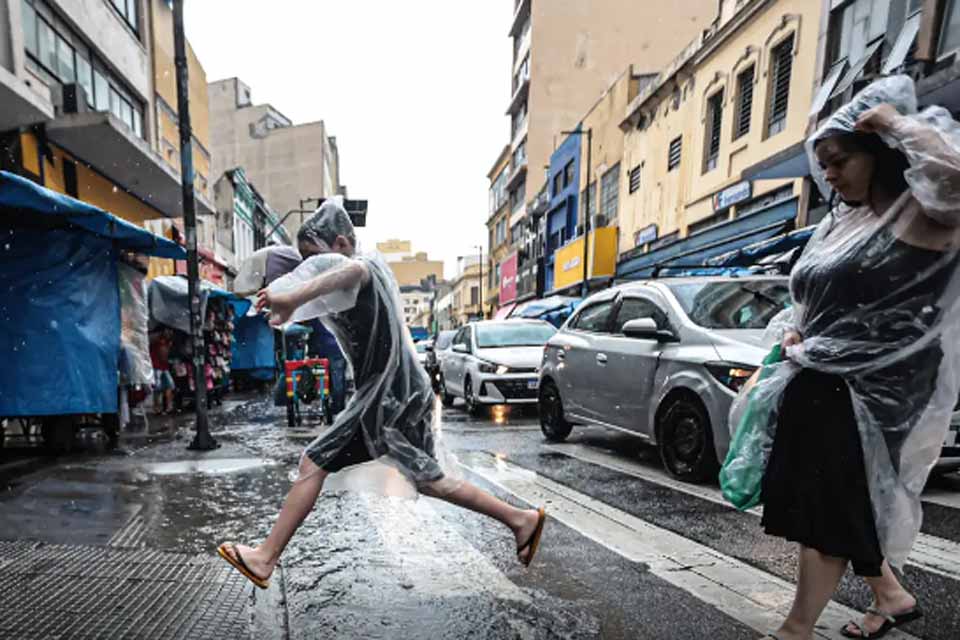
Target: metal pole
pixel 482 314
pixel 584 286
pixel 202 440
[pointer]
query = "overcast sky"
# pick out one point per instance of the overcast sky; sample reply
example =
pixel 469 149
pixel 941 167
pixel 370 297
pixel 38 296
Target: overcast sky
pixel 414 92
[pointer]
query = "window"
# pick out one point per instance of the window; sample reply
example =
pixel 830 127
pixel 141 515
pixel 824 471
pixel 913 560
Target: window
pixel 65 69
pixel 635 179
pixel 636 308
pixel 101 92
pixel 706 223
pixel 520 155
pixel 610 193
pixel 85 76
pixel 950 33
pixel 29 27
pixel 673 155
pixel 712 137
pixel 741 125
pixel 781 66
pixel 568 178
pixel 588 199
pixel 474 296
pixel 733 305
pixel 557 184
pixel 595 318
pixel 128 11
pixel 516 197
pixel 46 46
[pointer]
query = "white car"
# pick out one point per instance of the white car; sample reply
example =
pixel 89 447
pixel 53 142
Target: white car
pixel 494 362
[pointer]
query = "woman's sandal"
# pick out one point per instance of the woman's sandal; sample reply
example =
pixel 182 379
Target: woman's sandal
pixel 241 566
pixel 533 542
pixel 890 622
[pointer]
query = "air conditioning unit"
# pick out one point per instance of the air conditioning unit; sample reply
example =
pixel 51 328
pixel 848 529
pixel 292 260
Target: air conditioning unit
pixel 74 99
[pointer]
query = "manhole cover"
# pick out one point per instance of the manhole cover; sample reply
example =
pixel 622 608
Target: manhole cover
pixel 211 466
pixel 55 591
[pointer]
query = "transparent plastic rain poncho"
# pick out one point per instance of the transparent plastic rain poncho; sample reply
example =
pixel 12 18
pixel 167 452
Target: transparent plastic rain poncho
pixel 393 407
pixel 135 364
pixel 881 313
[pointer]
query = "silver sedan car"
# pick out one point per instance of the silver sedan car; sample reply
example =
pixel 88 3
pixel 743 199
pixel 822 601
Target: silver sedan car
pixel 662 360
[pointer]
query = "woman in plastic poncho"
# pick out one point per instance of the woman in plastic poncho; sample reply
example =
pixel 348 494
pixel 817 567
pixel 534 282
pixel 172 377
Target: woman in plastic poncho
pixel 390 418
pixel 872 376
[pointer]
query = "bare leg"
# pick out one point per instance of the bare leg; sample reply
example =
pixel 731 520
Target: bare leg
pixel 300 500
pixel 888 595
pixel 817 580
pixel 522 522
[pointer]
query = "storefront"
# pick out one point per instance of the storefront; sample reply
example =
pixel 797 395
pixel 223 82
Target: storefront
pixel 568 270
pixel 508 286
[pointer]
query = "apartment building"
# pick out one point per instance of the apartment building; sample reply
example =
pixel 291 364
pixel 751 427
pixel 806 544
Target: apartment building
pixel 290 163
pixel 737 96
pixel 498 229
pixel 80 82
pixel 410 268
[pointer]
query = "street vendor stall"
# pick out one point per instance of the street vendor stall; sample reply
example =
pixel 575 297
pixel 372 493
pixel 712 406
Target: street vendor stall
pixel 60 271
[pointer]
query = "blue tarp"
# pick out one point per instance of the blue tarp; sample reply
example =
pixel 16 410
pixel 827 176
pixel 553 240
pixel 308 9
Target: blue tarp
pixel 60 309
pixel 539 308
pixel 753 253
pixel 253 347
pixel 26 204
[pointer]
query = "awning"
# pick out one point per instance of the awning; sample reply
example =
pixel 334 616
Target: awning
pixel 696 250
pixel 108 145
pixel 792 162
pixel 538 308
pixel 26 204
pixel 754 253
pixel 504 311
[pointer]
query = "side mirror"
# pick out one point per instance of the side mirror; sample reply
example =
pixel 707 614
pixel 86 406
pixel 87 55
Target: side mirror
pixel 460 348
pixel 428 348
pixel 646 329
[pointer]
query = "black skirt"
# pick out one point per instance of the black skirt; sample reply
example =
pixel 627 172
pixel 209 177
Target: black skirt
pixel 815 486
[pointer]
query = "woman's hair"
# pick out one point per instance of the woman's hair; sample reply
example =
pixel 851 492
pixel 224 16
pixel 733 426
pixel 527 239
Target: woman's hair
pixel 889 163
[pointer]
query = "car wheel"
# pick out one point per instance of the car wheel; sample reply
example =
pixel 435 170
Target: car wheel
pixel 445 397
pixel 686 440
pixel 472 407
pixel 552 422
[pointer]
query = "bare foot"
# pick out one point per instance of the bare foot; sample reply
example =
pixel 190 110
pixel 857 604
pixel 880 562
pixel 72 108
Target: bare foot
pixel 528 525
pixel 254 558
pixel 900 603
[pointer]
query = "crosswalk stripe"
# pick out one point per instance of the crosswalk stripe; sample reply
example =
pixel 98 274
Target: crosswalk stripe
pixel 930 553
pixel 749 595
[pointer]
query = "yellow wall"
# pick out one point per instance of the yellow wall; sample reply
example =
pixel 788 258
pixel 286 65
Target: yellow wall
pixel 395 246
pixel 412 272
pixel 674 200
pixel 568 265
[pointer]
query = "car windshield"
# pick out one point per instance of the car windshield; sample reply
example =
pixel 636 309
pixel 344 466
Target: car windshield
pixel 513 334
pixel 444 339
pixel 745 304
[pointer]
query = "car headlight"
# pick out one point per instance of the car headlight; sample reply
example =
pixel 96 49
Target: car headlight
pixel 487 367
pixel 730 374
pixel 502 369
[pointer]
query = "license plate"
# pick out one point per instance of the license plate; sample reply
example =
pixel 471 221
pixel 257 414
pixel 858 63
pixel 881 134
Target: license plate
pixel 533 384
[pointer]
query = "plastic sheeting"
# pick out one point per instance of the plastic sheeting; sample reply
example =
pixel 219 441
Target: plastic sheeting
pixel 882 312
pixel 333 302
pixel 263 267
pixel 135 364
pixel 60 311
pixel 169 302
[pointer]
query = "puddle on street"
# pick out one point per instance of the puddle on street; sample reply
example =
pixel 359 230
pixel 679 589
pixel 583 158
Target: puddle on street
pixel 370 477
pixel 214 466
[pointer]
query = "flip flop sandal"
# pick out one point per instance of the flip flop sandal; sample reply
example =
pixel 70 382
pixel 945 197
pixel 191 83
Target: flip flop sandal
pixel 890 622
pixel 533 542
pixel 240 565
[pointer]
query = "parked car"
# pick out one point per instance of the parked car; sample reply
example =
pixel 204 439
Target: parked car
pixel 663 360
pixel 440 344
pixel 494 362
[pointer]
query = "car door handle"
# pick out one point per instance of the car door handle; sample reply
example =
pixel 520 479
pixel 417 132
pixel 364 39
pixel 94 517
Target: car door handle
pixel 601 358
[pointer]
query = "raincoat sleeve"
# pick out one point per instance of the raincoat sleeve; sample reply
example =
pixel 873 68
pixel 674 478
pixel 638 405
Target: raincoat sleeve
pixel 931 142
pixel 325 265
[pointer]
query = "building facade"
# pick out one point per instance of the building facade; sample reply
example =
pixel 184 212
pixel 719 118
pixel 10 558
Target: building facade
pixel 465 304
pixel 417 302
pixel 290 164
pixel 79 83
pixel 410 268
pixel 498 231
pixel 737 96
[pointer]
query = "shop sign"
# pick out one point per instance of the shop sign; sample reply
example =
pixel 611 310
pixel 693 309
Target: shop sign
pixel 645 235
pixel 732 195
pixel 508 279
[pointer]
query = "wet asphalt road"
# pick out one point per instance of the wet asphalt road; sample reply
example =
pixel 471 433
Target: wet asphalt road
pixel 371 565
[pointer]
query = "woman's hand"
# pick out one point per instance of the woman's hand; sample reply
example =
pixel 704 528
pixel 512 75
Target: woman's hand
pixel 880 119
pixel 281 306
pixel 790 338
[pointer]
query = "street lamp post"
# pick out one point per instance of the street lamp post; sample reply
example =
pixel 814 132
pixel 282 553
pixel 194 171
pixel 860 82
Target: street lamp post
pixel 202 440
pixel 584 285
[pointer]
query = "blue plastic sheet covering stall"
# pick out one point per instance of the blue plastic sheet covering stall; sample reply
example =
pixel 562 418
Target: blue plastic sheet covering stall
pixel 253 347
pixel 169 301
pixel 754 253
pixel 554 309
pixel 60 301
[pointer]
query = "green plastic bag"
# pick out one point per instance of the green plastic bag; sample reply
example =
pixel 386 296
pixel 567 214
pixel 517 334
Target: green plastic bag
pixel 742 473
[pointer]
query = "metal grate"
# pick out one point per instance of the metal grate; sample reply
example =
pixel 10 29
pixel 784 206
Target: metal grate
pixel 673 155
pixel 782 56
pixel 56 591
pixel 744 102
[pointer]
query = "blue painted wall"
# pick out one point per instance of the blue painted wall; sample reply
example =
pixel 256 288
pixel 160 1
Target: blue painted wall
pixel 562 214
